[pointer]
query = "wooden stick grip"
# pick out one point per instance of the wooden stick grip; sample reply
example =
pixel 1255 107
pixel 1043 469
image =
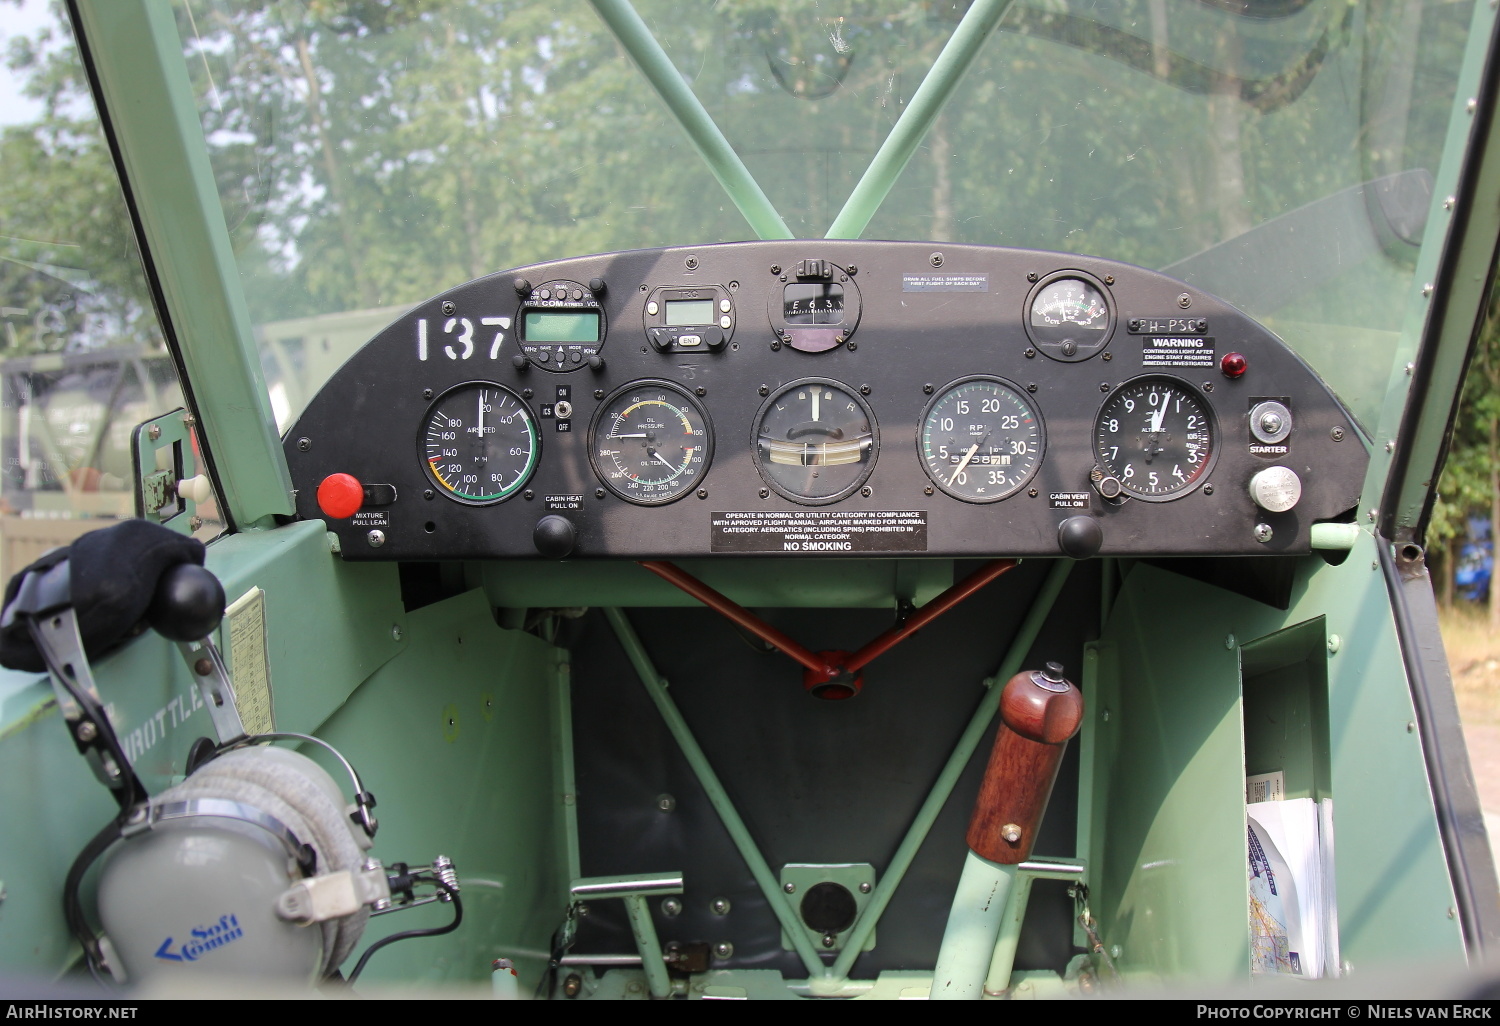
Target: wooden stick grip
pixel 1040 711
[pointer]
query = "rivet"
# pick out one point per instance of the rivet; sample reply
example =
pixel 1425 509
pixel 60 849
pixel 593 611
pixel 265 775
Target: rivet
pixel 1390 446
pixel 1410 368
pixel 720 906
pixel 1471 106
pixel 573 985
pixel 865 888
pixel 789 887
pixel 1229 641
pixel 1427 290
pixel 1410 727
pixel 1448 203
pixel 723 949
pixel 1334 644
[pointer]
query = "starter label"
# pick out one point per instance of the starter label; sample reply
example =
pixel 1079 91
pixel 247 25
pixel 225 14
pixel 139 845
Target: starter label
pixel 810 531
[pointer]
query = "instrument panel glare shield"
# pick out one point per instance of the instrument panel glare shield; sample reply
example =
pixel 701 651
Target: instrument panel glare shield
pixel 479 442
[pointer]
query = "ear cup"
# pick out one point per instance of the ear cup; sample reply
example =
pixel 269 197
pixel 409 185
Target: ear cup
pixel 297 791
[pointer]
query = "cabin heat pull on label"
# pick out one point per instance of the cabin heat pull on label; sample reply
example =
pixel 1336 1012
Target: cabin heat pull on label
pixel 812 530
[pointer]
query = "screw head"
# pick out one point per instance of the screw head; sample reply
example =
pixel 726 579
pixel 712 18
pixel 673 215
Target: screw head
pixel 830 939
pixel 852 268
pixel 304 444
pixel 723 949
pixel 775 344
pixel 852 346
pixel 448 307
pixel 598 493
pixel 866 491
pixel 1109 279
pixel 1032 276
pixel 1184 300
pixel 671 907
pixel 927 490
pixel 864 389
pixel 598 393
pixel 1208 489
pixel 865 887
pixel 426 393
pixel 1337 434
pixel 702 493
pixel 376 538
pixel 527 393
pixel 573 985
pixel 1031 493
pixel 700 391
pixel 1208 386
pixel 528 495
pixel 396 632
pixel 720 906
pixel 1031 386
pixel 1030 353
pixel 665 802
pixel 936 260
pixel 775 268
pixel 764 492
pixel 1108 357
pixel 86 731
pixel 763 391
pixel 203 667
pixel 1263 533
pixel 691 263
pixel 1011 832
pixel 1104 386
pixel 195 522
pixel 789 887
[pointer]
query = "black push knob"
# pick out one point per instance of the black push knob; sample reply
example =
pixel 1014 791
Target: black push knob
pixel 522 285
pixel 554 536
pixel 520 361
pixel 1080 537
pixel 596 363
pixel 596 286
pixel 188 604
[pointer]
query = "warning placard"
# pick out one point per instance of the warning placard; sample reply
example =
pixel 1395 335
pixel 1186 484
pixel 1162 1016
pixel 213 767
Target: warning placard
pixel 1176 351
pixel 810 531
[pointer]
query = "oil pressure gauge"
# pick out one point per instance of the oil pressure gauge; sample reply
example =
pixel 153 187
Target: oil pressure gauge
pixel 650 442
pixel 980 441
pixel 1156 436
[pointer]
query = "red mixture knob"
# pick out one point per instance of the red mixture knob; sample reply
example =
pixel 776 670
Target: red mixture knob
pixel 340 496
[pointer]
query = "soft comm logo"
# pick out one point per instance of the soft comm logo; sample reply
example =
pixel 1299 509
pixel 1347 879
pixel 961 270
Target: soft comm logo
pixel 201 940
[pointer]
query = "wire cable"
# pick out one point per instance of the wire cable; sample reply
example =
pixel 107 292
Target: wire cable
pixel 458 917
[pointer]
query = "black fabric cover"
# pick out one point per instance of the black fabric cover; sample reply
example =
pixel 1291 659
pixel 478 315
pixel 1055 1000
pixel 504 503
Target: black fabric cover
pixel 112 575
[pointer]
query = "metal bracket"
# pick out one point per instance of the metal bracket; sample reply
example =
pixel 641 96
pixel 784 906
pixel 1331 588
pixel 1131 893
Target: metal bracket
pixel 334 895
pixel 163 455
pixel 207 667
pixel 798 880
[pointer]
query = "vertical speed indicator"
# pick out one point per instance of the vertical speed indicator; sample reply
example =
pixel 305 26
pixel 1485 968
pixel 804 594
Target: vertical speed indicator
pixel 980 441
pixel 480 443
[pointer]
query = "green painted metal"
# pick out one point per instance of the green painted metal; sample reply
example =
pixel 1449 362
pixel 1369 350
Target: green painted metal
pixel 978 728
pixel 923 109
pixel 562 765
pixel 460 777
pixel 980 906
pixel 162 449
pixel 779 583
pixel 1420 421
pixel 647 944
pixel 1168 769
pixel 656 687
pixel 1334 537
pixel 637 41
pixel 147 104
pixel 997 980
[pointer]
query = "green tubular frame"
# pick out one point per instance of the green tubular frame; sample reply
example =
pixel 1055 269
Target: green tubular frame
pixel 146 105
pixel 925 106
pixel 648 55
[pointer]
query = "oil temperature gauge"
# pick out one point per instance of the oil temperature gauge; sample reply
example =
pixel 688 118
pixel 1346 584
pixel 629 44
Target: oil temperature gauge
pixel 980 441
pixel 650 442
pixel 480 442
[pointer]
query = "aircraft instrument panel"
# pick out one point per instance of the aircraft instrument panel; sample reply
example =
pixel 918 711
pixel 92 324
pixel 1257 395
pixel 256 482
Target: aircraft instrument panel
pixel 824 398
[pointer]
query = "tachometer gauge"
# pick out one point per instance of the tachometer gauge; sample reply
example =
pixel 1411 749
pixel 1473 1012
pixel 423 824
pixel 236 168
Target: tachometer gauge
pixel 815 441
pixel 980 441
pixel 1155 435
pixel 1069 317
pixel 480 443
pixel 650 442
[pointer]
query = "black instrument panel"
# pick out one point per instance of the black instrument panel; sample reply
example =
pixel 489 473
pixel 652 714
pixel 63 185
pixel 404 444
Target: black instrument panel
pixel 824 397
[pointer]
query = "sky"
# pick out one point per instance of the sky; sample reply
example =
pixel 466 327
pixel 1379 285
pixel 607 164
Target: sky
pixel 19 21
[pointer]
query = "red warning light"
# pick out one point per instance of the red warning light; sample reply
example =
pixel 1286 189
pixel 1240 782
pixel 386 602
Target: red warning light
pixel 340 496
pixel 1233 365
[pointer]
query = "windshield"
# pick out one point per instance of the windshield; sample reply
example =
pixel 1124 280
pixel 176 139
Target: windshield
pixel 1278 153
